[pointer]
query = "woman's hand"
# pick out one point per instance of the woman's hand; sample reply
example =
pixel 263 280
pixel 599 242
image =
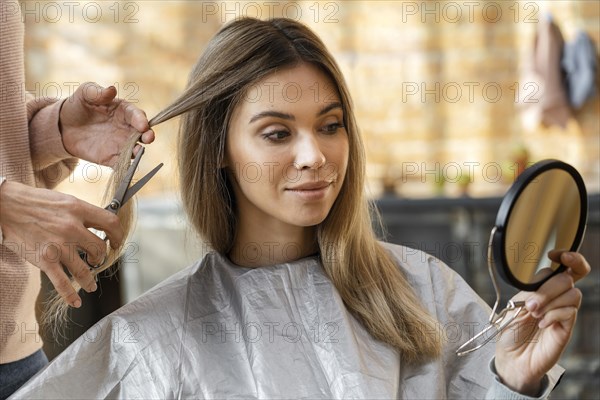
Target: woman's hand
pixel 534 342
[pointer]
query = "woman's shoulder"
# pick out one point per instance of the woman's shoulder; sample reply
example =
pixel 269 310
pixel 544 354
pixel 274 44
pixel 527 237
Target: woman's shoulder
pixel 143 335
pixel 417 263
pixel 169 292
pixel 435 283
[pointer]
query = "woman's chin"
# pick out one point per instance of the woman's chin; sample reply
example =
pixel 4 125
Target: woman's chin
pixel 310 220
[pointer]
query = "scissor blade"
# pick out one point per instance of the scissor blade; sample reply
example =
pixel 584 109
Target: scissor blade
pixel 139 184
pixel 124 185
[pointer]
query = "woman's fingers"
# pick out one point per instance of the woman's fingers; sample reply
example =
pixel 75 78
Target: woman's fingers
pixel 574 261
pixel 578 265
pixel 555 254
pixel 556 309
pixel 570 298
pixel 565 316
pixel 552 289
pixel 578 268
pixel 558 300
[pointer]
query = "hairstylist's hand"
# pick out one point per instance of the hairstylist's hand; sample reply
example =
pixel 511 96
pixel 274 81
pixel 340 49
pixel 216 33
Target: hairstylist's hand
pixel 535 341
pixel 47 228
pixel 95 125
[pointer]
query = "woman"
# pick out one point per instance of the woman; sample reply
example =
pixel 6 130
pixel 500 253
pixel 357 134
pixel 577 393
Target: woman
pixel 298 298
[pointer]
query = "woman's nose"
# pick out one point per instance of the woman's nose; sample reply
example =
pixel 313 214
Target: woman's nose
pixel 308 153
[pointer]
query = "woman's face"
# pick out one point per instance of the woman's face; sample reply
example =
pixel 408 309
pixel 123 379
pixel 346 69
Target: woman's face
pixel 287 149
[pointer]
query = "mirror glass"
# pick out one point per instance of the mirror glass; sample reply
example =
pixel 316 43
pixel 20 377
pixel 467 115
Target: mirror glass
pixel 545 212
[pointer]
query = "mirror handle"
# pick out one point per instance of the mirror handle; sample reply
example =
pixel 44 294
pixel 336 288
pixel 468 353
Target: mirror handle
pixel 516 306
pixel 493 322
pixel 492 272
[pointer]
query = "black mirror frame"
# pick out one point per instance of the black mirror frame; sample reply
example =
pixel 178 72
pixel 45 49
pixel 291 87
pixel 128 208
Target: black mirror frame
pixel 498 241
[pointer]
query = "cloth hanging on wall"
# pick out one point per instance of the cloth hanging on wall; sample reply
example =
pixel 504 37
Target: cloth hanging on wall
pixel 546 100
pixel 548 49
pixel 580 63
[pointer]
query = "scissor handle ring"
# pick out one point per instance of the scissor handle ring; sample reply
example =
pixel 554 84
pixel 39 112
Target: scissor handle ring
pixel 100 264
pixel 97 265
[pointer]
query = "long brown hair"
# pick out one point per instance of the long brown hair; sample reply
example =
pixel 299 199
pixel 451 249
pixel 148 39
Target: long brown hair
pixel 370 283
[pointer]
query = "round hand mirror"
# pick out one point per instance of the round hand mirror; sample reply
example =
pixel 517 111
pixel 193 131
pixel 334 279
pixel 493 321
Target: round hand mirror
pixel 544 210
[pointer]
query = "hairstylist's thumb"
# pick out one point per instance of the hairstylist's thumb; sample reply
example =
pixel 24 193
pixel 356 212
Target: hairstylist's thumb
pixel 97 95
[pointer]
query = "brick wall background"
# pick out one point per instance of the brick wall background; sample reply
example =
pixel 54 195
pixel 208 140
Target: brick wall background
pixel 440 87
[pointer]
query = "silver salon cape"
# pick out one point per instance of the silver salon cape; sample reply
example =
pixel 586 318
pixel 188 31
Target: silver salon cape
pixel 217 330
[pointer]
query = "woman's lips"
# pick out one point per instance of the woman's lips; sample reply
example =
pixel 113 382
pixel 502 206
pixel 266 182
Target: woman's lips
pixel 311 190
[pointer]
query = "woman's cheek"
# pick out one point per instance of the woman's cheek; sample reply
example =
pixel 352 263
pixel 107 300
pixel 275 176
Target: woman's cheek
pixel 331 172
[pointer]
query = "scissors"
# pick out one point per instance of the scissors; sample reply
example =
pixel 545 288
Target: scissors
pixel 122 195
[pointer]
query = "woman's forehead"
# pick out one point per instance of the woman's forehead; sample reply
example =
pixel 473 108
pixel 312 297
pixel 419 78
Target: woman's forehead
pixel 301 83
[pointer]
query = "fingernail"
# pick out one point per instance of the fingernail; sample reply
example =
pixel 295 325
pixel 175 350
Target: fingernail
pixel 77 303
pixel 568 257
pixel 531 305
pixel 94 287
pixel 542 324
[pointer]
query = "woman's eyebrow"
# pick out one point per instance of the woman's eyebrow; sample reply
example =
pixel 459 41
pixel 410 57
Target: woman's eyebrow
pixel 329 107
pixel 290 117
pixel 275 114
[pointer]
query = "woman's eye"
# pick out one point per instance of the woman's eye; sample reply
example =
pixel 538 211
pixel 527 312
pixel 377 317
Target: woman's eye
pixel 332 128
pixel 277 136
